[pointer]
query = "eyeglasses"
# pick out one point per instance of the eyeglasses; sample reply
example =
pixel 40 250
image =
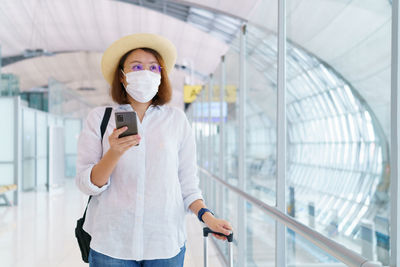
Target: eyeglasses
pixel 138 67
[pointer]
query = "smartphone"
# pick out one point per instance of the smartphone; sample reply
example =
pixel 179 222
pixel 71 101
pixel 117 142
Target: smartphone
pixel 126 118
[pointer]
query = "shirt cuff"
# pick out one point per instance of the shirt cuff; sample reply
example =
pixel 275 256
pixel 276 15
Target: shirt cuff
pixel 88 187
pixel 190 199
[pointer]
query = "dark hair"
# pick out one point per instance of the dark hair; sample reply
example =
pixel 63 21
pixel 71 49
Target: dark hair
pixel 164 94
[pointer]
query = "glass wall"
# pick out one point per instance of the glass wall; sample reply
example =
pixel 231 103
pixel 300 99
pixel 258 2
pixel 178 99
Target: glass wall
pixel 261 108
pixel 254 244
pixel 41 143
pixel 231 125
pixel 337 132
pixel 72 130
pixel 337 124
pixel 28 149
pixel 9 84
pixel 7 144
pixel 34 143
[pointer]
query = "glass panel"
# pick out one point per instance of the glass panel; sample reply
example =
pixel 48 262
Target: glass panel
pixel 261 82
pixel 70 162
pixel 7 173
pixel 28 174
pixel 7 122
pixel 7 178
pixel 230 200
pixel 28 134
pixel 215 120
pixel 231 138
pixel 260 239
pixel 301 252
pixel 41 172
pixel 42 148
pixel 41 124
pixel 28 149
pixel 333 151
pixel 72 129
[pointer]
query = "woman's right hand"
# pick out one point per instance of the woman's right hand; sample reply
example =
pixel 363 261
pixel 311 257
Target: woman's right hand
pixel 120 145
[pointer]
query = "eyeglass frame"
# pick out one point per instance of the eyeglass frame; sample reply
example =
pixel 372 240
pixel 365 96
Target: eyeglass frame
pixel 143 68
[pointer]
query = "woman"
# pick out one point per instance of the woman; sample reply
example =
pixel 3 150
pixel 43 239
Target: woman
pixel 142 185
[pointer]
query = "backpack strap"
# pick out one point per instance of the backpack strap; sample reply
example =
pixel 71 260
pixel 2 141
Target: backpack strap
pixel 103 127
pixel 105 120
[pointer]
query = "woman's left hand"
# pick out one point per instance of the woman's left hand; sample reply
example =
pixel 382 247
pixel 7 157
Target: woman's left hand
pixel 217 225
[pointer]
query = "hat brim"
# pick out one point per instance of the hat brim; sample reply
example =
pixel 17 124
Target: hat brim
pixel 116 50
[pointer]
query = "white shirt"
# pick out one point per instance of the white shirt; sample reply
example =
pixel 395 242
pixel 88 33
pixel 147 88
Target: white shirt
pixel 140 213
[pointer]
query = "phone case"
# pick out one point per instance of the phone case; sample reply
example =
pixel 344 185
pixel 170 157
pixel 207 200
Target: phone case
pixel 126 118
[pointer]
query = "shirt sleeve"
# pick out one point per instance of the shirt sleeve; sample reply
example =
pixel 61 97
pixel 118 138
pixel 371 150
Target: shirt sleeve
pixel 187 171
pixel 89 153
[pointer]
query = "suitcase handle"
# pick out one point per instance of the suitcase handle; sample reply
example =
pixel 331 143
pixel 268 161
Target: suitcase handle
pixel 207 231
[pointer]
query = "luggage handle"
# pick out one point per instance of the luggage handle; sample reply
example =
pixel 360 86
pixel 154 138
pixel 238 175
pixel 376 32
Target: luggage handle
pixel 207 231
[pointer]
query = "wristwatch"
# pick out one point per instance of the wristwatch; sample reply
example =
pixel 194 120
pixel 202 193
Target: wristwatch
pixel 201 213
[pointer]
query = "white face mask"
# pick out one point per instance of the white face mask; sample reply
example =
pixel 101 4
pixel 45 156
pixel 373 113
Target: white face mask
pixel 142 85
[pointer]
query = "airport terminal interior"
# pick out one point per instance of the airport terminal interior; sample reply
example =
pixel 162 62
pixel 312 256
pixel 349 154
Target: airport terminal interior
pixel 292 103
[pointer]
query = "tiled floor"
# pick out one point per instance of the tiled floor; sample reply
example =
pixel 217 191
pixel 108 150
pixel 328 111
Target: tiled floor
pixel 40 231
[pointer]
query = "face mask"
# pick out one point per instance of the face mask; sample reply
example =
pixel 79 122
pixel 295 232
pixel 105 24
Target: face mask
pixel 142 85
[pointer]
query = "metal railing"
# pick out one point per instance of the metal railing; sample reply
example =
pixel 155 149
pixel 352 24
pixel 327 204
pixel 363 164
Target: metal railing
pixel 343 254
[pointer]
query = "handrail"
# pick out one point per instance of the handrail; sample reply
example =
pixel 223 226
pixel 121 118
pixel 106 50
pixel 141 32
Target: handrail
pixel 333 248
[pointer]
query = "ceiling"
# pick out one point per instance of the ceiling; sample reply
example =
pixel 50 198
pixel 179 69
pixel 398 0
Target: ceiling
pixel 351 36
pixel 76 32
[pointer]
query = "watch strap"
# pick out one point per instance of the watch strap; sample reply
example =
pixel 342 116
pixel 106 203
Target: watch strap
pixel 201 213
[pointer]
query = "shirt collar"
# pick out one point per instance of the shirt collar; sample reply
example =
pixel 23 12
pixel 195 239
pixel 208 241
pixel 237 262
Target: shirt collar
pixel 128 107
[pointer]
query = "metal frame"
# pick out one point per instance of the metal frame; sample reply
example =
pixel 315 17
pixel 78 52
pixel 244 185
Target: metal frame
pixel 221 190
pixel 34 157
pixel 209 139
pixel 395 123
pixel 242 229
pixel 333 248
pixel 280 235
pixel 201 133
pixel 17 148
pixel 36 150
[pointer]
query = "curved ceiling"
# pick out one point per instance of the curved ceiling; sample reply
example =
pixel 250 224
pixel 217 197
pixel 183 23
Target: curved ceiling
pixel 351 36
pixel 76 26
pixel 339 32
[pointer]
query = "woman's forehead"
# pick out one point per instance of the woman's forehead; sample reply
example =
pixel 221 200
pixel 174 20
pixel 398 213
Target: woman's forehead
pixel 141 56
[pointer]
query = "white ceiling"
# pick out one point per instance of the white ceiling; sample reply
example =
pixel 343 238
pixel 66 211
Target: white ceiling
pixel 92 25
pixel 240 9
pixel 76 70
pixel 352 36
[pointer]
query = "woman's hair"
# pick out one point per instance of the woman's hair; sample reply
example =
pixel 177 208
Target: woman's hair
pixel 119 94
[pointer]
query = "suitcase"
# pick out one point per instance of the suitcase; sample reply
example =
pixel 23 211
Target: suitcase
pixel 207 231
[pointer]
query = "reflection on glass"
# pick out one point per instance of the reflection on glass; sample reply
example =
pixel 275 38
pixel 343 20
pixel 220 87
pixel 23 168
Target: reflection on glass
pixel 301 252
pixel 337 142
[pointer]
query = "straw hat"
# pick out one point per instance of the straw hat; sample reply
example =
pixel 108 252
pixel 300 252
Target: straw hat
pixel 116 50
